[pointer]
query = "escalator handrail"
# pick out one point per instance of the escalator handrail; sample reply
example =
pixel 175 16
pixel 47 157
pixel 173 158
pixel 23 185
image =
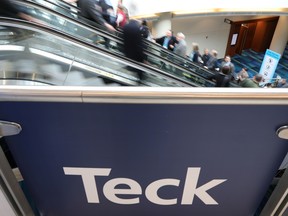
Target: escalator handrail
pixel 66 4
pixel 119 32
pixel 85 24
pixel 47 29
pixel 149 43
pixel 119 40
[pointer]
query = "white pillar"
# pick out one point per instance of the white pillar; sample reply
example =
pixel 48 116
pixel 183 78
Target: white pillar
pixel 161 25
pixel 280 36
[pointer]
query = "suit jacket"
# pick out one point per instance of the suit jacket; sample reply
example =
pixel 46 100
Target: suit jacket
pixel 8 9
pixel 231 65
pixel 249 83
pixel 133 41
pixel 172 41
pixel 221 79
pixel 194 56
pixel 205 58
pixel 181 48
pixel 91 10
pixel 212 63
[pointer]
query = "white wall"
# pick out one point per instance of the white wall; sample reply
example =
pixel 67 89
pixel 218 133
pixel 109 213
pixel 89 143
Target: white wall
pixel 208 32
pixel 279 41
pixel 161 25
pixel 137 7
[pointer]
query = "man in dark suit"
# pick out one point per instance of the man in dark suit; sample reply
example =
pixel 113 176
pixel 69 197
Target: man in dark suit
pixel 222 79
pixel 9 9
pixel 133 41
pixel 133 44
pixel 168 41
pixel 91 9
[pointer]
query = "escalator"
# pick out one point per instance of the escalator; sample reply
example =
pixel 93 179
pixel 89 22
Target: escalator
pixel 29 52
pixel 66 20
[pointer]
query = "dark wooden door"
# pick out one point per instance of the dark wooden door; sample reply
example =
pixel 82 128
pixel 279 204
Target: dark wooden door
pixel 252 34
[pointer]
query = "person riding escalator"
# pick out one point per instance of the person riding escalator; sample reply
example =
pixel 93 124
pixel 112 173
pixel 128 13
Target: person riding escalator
pixel 9 9
pixel 99 12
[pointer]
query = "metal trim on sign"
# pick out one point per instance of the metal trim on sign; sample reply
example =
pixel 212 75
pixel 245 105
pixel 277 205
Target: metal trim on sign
pixel 151 95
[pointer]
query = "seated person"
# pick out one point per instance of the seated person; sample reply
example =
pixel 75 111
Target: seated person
pixel 238 75
pixel 251 83
pixel 282 83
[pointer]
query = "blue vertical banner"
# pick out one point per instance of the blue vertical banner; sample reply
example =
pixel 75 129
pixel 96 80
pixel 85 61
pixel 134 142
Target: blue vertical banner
pixel 269 66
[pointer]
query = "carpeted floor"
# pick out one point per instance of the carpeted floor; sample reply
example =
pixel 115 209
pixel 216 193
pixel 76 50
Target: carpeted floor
pixel 253 60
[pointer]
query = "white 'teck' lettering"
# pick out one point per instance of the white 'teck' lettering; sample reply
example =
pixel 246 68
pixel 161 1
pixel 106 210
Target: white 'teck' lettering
pixel 110 191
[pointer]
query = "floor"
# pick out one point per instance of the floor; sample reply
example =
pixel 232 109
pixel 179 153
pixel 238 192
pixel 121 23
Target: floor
pixel 253 61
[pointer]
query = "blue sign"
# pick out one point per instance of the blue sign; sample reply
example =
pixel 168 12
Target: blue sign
pixel 146 159
pixel 269 66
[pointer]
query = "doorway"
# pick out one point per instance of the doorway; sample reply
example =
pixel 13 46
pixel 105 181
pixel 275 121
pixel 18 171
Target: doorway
pixel 242 38
pixel 252 34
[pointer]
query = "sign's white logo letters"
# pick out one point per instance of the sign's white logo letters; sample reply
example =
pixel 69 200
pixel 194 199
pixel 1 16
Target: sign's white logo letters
pixel 110 189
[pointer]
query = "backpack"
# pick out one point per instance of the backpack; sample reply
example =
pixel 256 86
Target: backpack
pixel 144 31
